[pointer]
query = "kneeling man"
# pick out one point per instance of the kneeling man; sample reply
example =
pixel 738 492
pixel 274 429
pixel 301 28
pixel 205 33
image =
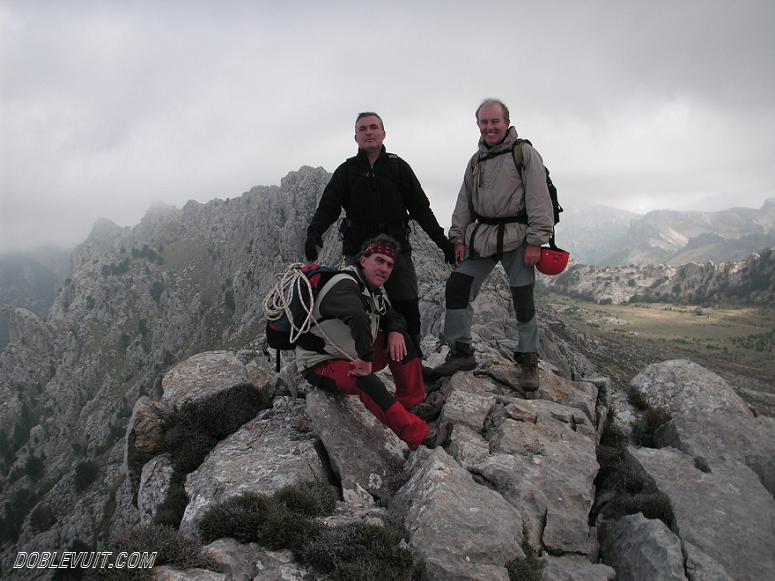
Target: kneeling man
pixel 359 334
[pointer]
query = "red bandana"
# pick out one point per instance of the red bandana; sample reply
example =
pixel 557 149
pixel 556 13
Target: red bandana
pixel 381 248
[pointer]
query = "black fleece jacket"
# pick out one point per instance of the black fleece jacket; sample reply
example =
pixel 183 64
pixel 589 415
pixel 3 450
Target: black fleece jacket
pixel 377 200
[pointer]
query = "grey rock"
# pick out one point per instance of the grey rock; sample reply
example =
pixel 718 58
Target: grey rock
pixel 167 573
pixel 144 436
pixel 682 387
pixel 642 549
pixel 266 454
pixel 465 409
pixel 469 448
pixel 701 567
pixel 546 470
pixel 363 451
pixel 726 513
pixel 457 528
pixel 574 568
pixel 155 484
pixel 201 376
pixel 245 562
pixel 723 435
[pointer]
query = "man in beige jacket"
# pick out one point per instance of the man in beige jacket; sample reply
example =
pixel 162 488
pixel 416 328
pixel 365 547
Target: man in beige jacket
pixel 503 214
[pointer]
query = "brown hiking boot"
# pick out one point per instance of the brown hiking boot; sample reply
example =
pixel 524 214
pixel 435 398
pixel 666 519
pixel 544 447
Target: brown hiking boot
pixel 459 359
pixel 528 379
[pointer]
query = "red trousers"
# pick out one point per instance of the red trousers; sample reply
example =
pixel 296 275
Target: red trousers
pixel 391 411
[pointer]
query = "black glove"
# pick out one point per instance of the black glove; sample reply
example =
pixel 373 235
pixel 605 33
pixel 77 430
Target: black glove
pixel 449 251
pixel 311 244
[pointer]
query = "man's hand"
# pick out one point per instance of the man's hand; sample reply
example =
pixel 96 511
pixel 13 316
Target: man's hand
pixel 449 251
pixel 532 255
pixel 460 254
pixel 311 246
pixel 396 345
pixel 360 367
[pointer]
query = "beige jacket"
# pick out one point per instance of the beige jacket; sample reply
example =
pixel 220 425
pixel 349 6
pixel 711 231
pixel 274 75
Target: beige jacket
pixel 498 191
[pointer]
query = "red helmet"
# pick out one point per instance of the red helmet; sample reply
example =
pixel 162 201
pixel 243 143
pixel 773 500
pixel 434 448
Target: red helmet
pixel 553 260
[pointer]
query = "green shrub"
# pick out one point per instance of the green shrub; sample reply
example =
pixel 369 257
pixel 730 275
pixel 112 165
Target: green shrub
pixel 359 551
pixel 527 569
pixel 85 474
pixel 284 520
pixel 193 430
pixel 33 467
pixel 172 548
pixel 311 498
pixel 643 431
pixel 42 517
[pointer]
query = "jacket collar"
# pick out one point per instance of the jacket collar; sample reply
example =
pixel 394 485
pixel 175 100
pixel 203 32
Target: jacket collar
pixel 506 144
pixel 364 157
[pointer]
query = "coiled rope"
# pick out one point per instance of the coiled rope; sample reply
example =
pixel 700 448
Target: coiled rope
pixel 278 303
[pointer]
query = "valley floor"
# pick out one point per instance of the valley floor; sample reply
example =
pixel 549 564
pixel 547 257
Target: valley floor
pixel 736 342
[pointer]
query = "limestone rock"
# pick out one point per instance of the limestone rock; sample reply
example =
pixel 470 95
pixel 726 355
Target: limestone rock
pixel 726 512
pixel 155 484
pixel 166 573
pixel 202 376
pixel 682 387
pixel 363 451
pixel 266 454
pixel 246 562
pixel 575 568
pixel 458 528
pixel 144 435
pixel 642 549
pixel 546 470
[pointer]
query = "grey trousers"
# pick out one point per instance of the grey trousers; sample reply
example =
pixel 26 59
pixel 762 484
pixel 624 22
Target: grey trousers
pixel 473 271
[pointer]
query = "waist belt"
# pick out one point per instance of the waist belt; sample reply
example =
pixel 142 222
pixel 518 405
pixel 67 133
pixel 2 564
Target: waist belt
pixel 500 222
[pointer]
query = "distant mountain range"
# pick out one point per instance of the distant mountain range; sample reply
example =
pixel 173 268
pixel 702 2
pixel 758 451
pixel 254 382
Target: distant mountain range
pixel 605 236
pixel 750 281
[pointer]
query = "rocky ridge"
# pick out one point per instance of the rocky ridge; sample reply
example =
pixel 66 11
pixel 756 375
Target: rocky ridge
pixel 531 460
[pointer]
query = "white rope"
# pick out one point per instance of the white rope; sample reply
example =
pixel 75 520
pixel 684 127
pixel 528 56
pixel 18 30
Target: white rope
pixel 278 303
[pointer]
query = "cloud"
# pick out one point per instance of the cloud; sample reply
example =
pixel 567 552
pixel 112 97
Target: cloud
pixel 107 107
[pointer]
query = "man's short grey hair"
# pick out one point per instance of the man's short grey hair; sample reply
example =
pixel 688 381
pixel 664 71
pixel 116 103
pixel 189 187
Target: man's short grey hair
pixel 368 114
pixel 494 102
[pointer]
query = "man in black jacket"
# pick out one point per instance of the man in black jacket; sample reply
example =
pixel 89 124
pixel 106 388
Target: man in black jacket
pixel 380 194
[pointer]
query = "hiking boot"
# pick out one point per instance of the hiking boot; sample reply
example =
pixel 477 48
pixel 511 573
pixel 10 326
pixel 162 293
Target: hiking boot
pixel 429 374
pixel 433 435
pixel 430 409
pixel 528 379
pixel 459 359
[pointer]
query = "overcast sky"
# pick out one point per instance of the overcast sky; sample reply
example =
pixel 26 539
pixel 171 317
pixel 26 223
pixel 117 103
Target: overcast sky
pixel 109 106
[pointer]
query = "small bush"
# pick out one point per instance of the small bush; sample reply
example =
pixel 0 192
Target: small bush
pixel 310 498
pixel 195 429
pixel 359 551
pixel 653 505
pixel 42 517
pixel 527 569
pixel 33 467
pixel 283 520
pixel 286 520
pixel 172 548
pixel 85 474
pixel 643 431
